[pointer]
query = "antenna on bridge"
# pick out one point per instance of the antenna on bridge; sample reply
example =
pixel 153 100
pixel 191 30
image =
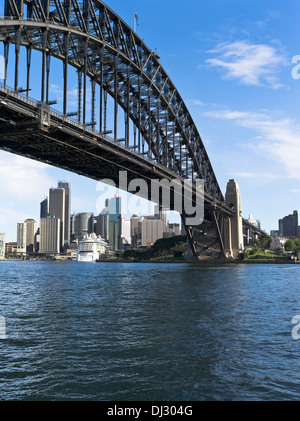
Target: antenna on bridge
pixel 136 21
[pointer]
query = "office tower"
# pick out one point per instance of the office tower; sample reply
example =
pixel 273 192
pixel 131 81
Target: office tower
pixel 152 230
pixel 44 208
pixel 57 209
pixel 50 231
pixel 21 237
pixel 115 228
pixel 288 226
pixel 125 231
pixel 30 235
pixel 135 230
pixel 103 224
pixel 84 224
pixel 2 246
pixel 72 227
pixel 67 187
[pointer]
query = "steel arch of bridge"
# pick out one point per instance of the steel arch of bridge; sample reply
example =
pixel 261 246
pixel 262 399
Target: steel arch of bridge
pixel 94 40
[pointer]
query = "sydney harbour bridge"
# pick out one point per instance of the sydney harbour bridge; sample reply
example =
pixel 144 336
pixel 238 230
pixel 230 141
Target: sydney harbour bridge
pixel 128 115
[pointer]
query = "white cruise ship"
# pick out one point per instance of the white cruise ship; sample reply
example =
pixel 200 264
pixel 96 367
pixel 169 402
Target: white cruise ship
pixel 91 248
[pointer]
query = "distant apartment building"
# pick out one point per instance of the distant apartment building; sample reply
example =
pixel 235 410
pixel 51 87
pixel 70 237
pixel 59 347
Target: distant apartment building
pixel 50 230
pixel 288 226
pixel 2 245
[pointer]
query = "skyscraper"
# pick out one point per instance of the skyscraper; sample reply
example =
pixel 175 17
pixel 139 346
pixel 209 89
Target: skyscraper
pixel 44 208
pixel 21 237
pixel 84 224
pixel 135 230
pixel 115 225
pixel 67 187
pixel 30 235
pixel 57 209
pixel 102 227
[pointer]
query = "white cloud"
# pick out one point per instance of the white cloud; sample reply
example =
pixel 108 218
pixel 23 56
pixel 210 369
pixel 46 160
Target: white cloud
pixel 275 137
pixel 250 64
pixel 24 178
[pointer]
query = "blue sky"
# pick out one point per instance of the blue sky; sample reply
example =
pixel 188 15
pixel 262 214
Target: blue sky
pixel 231 61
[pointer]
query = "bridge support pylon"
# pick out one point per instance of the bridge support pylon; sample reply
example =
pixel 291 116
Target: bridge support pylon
pixel 233 232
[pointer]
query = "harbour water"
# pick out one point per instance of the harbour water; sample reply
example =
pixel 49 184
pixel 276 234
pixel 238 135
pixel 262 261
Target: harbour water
pixel 149 332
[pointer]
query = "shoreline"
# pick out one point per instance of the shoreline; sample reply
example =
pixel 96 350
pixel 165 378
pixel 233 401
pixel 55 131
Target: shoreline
pixel 200 262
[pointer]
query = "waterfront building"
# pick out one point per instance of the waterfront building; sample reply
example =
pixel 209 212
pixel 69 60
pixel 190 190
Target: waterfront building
pixel 277 242
pixel 50 231
pixel 288 226
pixel 10 248
pixel 57 209
pixel 21 237
pixel 84 224
pixel 67 187
pixel 115 224
pixel 2 246
pixel 30 235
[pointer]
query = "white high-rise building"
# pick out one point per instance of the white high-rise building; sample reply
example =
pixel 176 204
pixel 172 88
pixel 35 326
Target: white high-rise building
pixel 50 230
pixel 125 231
pixel 21 237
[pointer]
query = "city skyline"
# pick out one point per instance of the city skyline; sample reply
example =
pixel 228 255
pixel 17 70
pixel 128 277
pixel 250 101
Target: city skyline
pixel 240 92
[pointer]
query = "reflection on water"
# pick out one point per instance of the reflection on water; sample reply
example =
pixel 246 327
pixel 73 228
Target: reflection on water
pixel 111 331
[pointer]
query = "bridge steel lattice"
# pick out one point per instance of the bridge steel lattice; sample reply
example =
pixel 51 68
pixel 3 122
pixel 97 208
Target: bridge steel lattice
pixel 111 63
